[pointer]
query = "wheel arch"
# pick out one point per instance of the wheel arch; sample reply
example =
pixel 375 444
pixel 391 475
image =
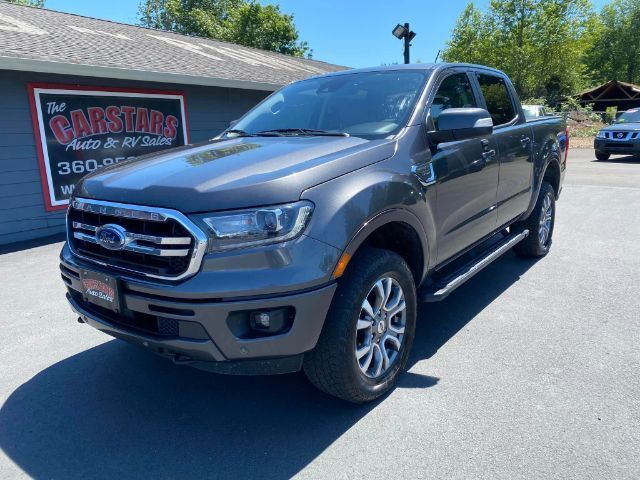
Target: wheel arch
pixel 552 174
pixel 547 168
pixel 397 230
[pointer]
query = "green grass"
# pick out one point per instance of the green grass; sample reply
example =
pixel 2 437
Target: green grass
pixel 584 132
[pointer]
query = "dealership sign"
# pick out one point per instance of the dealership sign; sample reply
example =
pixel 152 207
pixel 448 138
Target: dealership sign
pixel 79 130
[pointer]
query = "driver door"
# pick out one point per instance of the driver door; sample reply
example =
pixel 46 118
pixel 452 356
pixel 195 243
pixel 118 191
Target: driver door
pixel 467 173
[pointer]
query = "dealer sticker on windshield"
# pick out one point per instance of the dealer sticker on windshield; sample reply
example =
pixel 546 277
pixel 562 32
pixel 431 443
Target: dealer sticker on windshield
pixel 100 289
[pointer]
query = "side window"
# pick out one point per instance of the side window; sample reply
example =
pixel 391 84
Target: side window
pixel 454 92
pixel 497 97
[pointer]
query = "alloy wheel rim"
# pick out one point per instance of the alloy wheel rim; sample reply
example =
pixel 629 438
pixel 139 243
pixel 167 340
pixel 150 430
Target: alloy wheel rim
pixel 380 328
pixel 546 218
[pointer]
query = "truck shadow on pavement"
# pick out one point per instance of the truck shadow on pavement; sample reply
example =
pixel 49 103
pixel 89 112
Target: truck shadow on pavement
pixel 115 411
pixel 619 159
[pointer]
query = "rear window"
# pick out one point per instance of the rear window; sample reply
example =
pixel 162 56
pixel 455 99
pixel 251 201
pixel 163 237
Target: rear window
pixel 497 97
pixel 533 111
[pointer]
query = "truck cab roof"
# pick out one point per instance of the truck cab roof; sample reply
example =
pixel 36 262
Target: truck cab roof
pixel 435 67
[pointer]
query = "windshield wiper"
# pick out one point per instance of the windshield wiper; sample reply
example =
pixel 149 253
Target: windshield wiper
pixel 303 131
pixel 238 133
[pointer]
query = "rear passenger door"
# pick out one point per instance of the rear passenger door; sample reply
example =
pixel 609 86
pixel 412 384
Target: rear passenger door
pixel 467 173
pixel 514 139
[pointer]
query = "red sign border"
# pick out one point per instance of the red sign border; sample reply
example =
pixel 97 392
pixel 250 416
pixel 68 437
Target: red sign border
pixel 32 86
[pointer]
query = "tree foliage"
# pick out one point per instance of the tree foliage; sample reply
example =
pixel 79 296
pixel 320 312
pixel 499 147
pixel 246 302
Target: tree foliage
pixel 29 3
pixel 245 22
pixel 614 53
pixel 538 43
pixel 470 41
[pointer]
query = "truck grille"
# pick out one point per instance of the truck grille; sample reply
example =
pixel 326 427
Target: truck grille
pixel 152 242
pixel 622 135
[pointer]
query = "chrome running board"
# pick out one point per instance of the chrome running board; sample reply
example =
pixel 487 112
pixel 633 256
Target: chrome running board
pixel 441 289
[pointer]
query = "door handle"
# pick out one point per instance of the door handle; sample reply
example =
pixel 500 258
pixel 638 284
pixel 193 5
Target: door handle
pixel 478 165
pixel 524 141
pixel 488 155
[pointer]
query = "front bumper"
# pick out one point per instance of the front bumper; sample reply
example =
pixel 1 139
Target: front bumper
pixel 205 335
pixel 626 147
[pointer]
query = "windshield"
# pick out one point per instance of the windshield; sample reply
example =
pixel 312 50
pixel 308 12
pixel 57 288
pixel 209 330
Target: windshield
pixel 630 116
pixel 369 104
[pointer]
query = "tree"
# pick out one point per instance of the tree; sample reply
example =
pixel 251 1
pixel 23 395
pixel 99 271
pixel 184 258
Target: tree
pixel 245 22
pixel 265 27
pixel 29 3
pixel 538 43
pixel 469 41
pixel 560 38
pixel 614 53
pixel 203 18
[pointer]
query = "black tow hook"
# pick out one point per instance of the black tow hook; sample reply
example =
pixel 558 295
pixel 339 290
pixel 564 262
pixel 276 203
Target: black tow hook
pixel 80 320
pixel 181 359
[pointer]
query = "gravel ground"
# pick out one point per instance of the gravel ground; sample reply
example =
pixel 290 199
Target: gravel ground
pixel 530 370
pixel 581 142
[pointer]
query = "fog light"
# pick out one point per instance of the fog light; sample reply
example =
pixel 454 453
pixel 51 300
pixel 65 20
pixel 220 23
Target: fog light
pixel 271 321
pixel 261 320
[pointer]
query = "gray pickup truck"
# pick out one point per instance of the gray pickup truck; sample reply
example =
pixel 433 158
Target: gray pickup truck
pixel 305 235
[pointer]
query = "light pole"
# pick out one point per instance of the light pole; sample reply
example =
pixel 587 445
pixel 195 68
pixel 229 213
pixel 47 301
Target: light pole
pixel 403 32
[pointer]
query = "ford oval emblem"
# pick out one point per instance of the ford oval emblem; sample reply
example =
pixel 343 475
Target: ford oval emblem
pixel 111 237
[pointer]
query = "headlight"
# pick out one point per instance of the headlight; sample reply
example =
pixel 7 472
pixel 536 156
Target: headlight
pixel 247 228
pixel 600 134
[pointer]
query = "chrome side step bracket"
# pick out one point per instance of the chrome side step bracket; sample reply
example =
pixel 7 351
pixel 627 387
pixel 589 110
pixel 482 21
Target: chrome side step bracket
pixel 440 290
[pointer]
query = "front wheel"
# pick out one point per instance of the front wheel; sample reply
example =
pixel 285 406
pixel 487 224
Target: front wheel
pixel 603 157
pixel 369 329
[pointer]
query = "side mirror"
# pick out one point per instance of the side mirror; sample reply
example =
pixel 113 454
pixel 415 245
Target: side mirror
pixel 462 124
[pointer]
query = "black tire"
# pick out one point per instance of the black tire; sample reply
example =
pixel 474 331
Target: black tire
pixel 332 366
pixel 533 245
pixel 601 156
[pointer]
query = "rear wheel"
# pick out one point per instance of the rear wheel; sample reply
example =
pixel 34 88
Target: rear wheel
pixel 602 156
pixel 540 225
pixel 369 329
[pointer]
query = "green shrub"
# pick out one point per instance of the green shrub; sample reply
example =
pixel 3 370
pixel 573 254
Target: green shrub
pixel 584 132
pixel 571 108
pixel 535 101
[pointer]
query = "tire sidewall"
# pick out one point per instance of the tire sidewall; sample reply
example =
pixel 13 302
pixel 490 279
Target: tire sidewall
pixel 399 271
pixel 546 191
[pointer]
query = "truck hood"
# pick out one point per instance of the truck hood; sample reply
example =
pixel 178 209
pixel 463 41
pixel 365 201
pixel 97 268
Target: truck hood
pixel 235 173
pixel 622 127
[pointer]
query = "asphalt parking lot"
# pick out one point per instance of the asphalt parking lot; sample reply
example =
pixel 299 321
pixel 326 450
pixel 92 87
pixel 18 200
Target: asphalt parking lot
pixel 530 370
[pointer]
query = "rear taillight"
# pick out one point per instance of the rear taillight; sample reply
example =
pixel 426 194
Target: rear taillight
pixel 566 144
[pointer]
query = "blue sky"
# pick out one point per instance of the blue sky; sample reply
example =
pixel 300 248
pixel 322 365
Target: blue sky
pixel 355 33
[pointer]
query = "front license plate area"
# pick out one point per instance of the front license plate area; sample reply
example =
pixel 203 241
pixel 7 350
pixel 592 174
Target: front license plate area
pixel 100 289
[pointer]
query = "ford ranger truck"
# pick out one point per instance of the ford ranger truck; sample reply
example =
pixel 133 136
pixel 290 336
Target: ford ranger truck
pixel 622 137
pixel 305 235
